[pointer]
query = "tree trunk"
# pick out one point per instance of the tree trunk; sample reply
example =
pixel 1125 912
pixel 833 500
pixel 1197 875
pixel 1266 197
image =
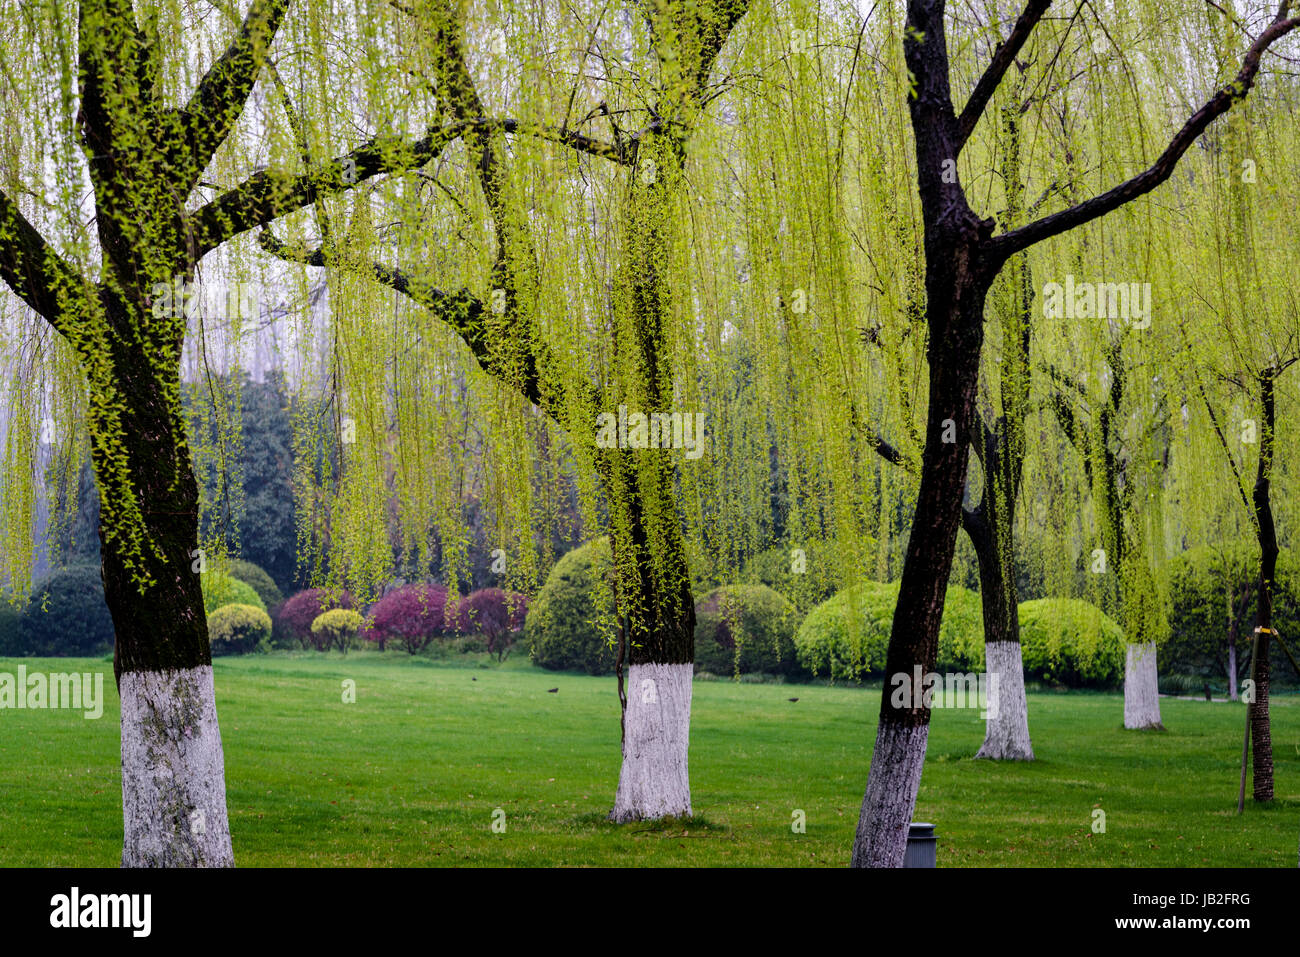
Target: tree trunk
pixel 655 779
pixel 1006 733
pixel 1141 688
pixel 173 773
pixel 659 622
pixel 658 612
pixel 654 583
pixel 957 280
pixel 902 734
pixel 894 779
pixel 1261 738
pixel 1232 649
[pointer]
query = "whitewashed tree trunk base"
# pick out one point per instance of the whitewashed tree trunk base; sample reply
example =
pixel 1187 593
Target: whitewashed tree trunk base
pixel 173 771
pixel 1141 689
pixel 1006 733
pixel 655 779
pixel 890 799
pixel 1232 672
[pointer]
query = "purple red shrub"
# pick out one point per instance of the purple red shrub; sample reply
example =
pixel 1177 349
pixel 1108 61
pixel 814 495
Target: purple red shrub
pixel 493 613
pixel 411 615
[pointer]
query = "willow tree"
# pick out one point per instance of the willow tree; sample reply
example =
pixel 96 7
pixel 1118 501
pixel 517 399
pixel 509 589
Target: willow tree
pixel 998 443
pixel 1110 397
pixel 116 81
pixel 1093 420
pixel 512 329
pixel 963 257
pixel 1240 337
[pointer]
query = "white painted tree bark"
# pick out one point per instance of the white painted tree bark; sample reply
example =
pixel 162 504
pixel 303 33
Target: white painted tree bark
pixel 173 771
pixel 1141 691
pixel 1232 672
pixel 1006 731
pixel 890 797
pixel 655 779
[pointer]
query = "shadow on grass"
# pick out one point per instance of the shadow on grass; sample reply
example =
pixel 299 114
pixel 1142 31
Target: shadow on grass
pixel 667 825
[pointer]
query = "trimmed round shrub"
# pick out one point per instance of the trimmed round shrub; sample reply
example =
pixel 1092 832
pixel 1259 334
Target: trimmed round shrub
pixel 746 629
pixel 220 589
pixel 66 616
pixel 261 582
pixel 294 618
pixel 411 615
pixel 561 628
pixel 1072 642
pixel 493 613
pixel 847 636
pixel 239 629
pixel 337 628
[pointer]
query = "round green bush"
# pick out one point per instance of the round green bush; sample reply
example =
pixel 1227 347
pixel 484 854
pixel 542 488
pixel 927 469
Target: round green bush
pixel 961 635
pixel 561 628
pixel 238 629
pixel 337 629
pixel 847 636
pixel 66 615
pixel 292 618
pixel 746 629
pixel 261 582
pixel 220 589
pixel 1072 642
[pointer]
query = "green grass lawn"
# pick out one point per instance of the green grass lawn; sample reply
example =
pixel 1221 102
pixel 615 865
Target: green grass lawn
pixel 412 772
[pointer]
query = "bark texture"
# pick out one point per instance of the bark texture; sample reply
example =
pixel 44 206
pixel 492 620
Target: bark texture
pixel 1006 734
pixel 1141 691
pixel 890 797
pixel 173 774
pixel 655 779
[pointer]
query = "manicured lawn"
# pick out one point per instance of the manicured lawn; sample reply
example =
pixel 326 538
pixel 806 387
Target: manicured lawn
pixel 412 772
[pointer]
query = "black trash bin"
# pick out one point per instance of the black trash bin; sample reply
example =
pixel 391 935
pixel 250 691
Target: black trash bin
pixel 921 846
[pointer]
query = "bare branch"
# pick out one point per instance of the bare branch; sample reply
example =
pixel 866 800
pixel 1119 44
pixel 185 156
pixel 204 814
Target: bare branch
pixel 886 451
pixel 1218 431
pixel 570 138
pixel 462 311
pixel 1012 242
pixel 1003 57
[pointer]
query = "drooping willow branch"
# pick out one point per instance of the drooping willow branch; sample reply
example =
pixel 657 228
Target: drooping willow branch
pixel 270 194
pixel 219 99
pixel 1017 240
